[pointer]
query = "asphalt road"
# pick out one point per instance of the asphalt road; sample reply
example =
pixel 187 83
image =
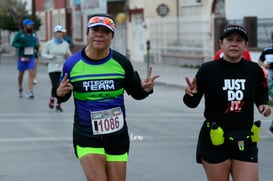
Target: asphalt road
pixel 36 142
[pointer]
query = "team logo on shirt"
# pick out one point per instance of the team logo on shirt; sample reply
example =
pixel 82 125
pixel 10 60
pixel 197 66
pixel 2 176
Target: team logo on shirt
pixel 235 94
pixel 97 85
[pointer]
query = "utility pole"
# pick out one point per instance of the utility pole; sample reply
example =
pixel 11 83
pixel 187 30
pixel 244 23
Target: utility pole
pixel 33 10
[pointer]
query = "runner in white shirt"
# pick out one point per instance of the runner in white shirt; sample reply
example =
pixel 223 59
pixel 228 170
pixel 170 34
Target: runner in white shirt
pixel 56 51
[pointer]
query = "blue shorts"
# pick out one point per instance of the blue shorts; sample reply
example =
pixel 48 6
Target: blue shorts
pixel 24 64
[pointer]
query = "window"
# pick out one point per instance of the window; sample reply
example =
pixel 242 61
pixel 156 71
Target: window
pixel 190 2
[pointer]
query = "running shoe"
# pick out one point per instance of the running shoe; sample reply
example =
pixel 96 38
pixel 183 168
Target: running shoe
pixel 58 108
pixel 34 81
pixel 30 95
pixel 20 93
pixel 51 103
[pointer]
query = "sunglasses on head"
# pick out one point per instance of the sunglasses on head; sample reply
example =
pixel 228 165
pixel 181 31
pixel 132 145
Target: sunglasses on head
pixel 102 20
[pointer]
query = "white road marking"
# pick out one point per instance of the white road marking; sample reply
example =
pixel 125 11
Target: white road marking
pixel 32 139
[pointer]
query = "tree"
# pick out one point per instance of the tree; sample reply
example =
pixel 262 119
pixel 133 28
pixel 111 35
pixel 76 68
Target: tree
pixel 12 13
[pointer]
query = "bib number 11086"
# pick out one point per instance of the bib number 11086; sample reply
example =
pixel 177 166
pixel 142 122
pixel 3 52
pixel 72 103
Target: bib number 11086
pixel 107 121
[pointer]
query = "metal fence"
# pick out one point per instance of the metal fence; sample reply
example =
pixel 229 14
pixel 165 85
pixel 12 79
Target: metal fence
pixel 265 27
pixel 180 40
pixel 189 40
pixel 264 30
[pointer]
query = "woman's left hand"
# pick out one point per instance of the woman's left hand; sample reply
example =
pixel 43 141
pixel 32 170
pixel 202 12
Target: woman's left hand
pixel 148 83
pixel 265 110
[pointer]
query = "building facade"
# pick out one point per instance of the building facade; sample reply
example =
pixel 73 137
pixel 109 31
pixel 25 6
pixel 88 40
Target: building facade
pixel 179 31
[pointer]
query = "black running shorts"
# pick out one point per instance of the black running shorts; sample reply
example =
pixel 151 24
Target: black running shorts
pixel 113 144
pixel 217 154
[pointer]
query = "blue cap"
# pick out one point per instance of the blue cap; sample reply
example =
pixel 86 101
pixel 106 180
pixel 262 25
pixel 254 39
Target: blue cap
pixel 28 22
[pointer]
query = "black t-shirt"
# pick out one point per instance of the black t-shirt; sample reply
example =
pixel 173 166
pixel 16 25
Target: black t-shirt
pixel 230 91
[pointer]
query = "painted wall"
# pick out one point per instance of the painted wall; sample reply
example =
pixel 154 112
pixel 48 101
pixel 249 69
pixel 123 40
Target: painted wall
pixel 140 30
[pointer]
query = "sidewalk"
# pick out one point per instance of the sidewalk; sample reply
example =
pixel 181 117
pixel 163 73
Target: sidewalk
pixel 169 75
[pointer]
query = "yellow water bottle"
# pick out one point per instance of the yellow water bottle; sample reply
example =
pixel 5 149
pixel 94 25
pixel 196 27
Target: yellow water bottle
pixel 216 134
pixel 255 131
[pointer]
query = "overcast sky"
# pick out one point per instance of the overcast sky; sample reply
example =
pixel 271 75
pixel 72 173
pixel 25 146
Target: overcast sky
pixel 237 9
pixel 28 4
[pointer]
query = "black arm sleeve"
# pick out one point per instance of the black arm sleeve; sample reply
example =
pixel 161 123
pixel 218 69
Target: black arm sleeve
pixel 132 82
pixel 193 101
pixel 135 90
pixel 262 89
pixel 65 97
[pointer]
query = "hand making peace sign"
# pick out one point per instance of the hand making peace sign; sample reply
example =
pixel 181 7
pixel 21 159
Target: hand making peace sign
pixel 192 87
pixel 64 87
pixel 148 83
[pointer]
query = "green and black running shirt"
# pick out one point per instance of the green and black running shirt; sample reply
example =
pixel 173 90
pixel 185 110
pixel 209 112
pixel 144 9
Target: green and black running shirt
pixel 98 90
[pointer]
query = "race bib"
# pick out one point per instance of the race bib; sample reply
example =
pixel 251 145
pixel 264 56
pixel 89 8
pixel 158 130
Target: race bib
pixel 24 59
pixel 29 51
pixel 107 121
